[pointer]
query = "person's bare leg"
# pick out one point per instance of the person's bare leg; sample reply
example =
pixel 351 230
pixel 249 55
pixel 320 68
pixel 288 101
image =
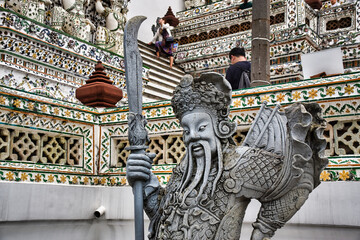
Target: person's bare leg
pixel 157 54
pixel 171 61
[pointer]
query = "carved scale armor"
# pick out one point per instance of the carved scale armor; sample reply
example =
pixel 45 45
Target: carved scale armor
pixel 217 216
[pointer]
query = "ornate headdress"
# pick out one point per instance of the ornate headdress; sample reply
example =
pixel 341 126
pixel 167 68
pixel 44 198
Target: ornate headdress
pixel 211 93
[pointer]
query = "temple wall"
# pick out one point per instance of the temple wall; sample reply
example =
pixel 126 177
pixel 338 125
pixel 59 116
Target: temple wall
pixel 207 33
pixel 45 211
pixel 60 160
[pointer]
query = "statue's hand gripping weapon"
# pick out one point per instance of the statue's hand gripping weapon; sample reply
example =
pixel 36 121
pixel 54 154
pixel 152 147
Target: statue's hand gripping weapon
pixel 137 133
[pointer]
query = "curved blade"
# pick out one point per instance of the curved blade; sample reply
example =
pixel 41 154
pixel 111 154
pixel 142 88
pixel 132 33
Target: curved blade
pixel 133 64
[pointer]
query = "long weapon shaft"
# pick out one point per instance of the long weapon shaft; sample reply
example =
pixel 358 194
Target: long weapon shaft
pixel 137 132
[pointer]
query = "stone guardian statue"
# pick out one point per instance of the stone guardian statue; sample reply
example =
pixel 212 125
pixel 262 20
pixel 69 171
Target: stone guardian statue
pixel 278 164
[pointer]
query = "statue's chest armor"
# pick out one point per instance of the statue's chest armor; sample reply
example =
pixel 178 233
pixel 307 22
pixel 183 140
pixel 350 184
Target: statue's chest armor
pixel 195 218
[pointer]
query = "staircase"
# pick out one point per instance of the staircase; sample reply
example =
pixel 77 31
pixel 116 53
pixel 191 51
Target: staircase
pixel 162 78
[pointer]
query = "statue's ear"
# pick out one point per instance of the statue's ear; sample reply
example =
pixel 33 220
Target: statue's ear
pixel 225 129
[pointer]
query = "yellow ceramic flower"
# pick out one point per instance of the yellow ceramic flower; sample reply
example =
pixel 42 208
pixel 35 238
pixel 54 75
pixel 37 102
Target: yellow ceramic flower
pixel 153 113
pixel 103 180
pixel 62 179
pixel 330 91
pixel 344 175
pixel 96 181
pixel 313 93
pixel 251 101
pixel 74 180
pixel 296 95
pixel 78 115
pixel 17 103
pixel 280 97
pixel 24 177
pixel 113 181
pixel 325 176
pixel 123 116
pixel 123 181
pixel 44 108
pixel 113 117
pixel 56 111
pixel 67 113
pixel 237 103
pixel 86 180
pixel 88 117
pixel 51 178
pixel 265 98
pixel 31 106
pixel 163 111
pixel 349 89
pixel 10 176
pixel 38 178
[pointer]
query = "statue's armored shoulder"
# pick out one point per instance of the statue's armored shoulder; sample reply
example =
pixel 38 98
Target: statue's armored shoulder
pixel 250 172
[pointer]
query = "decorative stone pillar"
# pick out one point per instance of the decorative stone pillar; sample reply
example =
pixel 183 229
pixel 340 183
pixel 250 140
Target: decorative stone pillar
pixel 260 53
pixel 98 90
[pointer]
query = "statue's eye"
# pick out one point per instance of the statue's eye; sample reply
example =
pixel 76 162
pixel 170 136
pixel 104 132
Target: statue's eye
pixel 186 132
pixel 202 127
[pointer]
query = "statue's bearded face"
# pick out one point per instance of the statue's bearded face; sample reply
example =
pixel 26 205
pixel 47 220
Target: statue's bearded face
pixel 203 149
pixel 198 127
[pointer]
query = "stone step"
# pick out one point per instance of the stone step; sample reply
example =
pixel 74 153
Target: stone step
pixel 162 78
pixel 149 56
pixel 154 95
pixel 164 90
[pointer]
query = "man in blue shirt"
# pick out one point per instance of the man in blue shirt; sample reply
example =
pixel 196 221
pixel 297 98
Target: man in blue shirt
pixel 239 64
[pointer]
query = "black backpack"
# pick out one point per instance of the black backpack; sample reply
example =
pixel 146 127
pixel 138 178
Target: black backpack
pixel 244 79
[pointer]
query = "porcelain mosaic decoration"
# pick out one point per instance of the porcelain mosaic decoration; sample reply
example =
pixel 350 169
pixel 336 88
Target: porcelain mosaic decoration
pixel 47 136
pixel 208 32
pixel 64 137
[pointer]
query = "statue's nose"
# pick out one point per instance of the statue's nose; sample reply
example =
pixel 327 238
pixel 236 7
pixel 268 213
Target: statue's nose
pixel 194 136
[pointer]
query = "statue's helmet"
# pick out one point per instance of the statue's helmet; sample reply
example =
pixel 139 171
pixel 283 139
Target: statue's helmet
pixel 210 93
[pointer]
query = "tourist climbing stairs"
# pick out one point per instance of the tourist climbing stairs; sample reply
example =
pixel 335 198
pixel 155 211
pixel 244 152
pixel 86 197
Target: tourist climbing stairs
pixel 162 78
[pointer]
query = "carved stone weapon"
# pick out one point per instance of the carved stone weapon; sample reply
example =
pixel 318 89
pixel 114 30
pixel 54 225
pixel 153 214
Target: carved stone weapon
pixel 137 133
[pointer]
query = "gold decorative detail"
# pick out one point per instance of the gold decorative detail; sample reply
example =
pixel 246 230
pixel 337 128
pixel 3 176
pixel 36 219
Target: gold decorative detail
pixel 325 176
pixel 344 175
pixel 349 89
pixel 51 178
pixel 296 95
pixel 24 176
pixel 17 103
pixel 38 178
pixel 10 176
pixel 330 91
pixel 280 97
pixel 313 93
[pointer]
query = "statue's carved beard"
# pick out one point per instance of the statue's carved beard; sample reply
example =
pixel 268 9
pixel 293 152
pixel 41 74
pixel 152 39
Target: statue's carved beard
pixel 200 166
